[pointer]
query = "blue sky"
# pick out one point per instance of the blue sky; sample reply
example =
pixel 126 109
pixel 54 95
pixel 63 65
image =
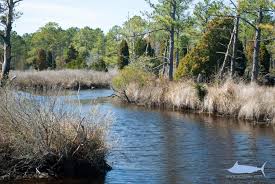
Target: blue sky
pixel 72 13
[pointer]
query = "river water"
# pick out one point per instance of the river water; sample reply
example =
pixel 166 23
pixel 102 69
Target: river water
pixel 166 147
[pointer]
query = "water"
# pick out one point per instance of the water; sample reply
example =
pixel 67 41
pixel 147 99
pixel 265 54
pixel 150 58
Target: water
pixel 160 147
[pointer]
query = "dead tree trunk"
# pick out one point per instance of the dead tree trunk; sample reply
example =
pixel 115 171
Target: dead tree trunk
pixel 7 41
pixel 235 46
pixel 257 42
pixel 172 41
pixel 165 59
pixel 177 52
pixel 222 70
pixel 8 16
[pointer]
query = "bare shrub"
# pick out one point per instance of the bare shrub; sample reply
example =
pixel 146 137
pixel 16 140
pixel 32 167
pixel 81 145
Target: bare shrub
pixel 43 135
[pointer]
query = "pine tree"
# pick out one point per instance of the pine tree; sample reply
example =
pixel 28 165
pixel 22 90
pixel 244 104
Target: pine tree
pixel 123 59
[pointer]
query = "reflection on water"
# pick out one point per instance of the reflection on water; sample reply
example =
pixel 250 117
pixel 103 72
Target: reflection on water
pixel 158 147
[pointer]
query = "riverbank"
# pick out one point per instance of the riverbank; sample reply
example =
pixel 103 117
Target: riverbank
pixel 43 138
pixel 238 100
pixel 65 79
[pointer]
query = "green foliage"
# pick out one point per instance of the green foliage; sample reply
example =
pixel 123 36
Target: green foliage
pixel 76 64
pixel 131 74
pixel 50 60
pixel 123 58
pixel 207 56
pixel 19 51
pixel 143 47
pixel 205 10
pixel 201 91
pixel 140 47
pixel 99 65
pixel 264 57
pixel 71 54
pixel 41 60
pixel 111 45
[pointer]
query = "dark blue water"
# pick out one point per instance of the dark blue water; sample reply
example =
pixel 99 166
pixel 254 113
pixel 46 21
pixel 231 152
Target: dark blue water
pixel 160 147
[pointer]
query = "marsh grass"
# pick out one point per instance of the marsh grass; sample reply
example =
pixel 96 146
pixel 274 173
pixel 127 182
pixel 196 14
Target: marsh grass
pixel 41 136
pixel 236 99
pixel 66 79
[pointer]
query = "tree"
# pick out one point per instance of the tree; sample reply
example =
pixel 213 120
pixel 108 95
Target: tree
pixel 19 51
pixel 123 58
pixel 50 60
pixel 113 39
pixel 132 30
pixel 50 37
pixel 207 56
pixel 259 9
pixel 264 57
pixel 71 54
pixel 41 60
pixel 9 14
pixel 205 11
pixel 169 14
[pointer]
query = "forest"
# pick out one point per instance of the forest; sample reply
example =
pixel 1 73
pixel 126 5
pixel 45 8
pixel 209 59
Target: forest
pixel 213 38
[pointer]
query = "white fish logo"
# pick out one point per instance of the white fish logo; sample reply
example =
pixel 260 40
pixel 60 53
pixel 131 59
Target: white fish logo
pixel 245 169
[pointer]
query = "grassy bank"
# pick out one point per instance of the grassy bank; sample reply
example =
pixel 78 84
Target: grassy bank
pixel 41 137
pixel 239 100
pixel 66 79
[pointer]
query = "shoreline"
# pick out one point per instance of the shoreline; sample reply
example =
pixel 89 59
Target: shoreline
pixel 248 102
pixel 61 79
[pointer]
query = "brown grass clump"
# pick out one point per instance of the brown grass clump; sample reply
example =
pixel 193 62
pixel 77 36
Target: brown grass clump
pixel 245 101
pixel 222 99
pixel 239 100
pixel 66 79
pixel 158 93
pixel 43 137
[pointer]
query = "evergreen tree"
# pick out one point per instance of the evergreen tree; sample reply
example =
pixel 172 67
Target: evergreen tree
pixel 123 59
pixel 71 54
pixel 140 47
pixel 207 56
pixel 41 60
pixel 50 60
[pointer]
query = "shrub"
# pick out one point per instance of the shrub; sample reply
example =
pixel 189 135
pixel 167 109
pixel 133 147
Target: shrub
pixel 123 59
pixel 99 65
pixel 131 74
pixel 76 64
pixel 42 135
pixel 207 56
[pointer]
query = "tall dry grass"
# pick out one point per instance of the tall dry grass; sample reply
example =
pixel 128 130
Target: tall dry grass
pixel 67 79
pixel 244 101
pixel 42 136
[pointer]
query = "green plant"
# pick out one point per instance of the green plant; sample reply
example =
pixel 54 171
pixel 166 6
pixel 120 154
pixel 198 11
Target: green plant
pixel 76 64
pixel 99 65
pixel 207 56
pixel 123 59
pixel 201 90
pixel 264 57
pixel 131 74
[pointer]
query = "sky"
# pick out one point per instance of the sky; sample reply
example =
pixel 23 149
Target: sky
pixel 72 13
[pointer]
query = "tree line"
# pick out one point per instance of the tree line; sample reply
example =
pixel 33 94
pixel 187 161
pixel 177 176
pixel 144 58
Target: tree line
pixel 174 40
